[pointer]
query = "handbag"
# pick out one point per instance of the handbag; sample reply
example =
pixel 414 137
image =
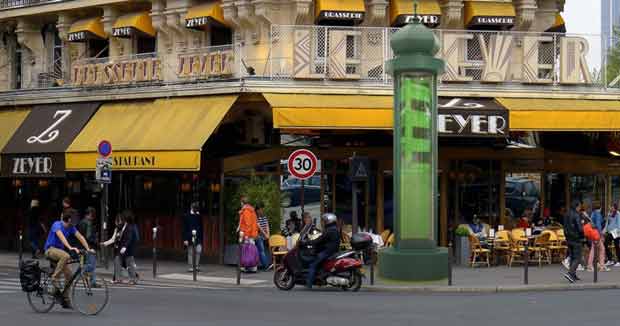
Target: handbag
pixel 249 255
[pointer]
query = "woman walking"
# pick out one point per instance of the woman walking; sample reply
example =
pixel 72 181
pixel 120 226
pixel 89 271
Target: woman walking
pixel 122 239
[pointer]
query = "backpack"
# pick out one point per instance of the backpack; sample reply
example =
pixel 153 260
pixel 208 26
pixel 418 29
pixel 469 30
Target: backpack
pixel 30 275
pixel 591 233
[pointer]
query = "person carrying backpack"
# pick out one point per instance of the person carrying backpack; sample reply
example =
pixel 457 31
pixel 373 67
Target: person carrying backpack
pixel 573 231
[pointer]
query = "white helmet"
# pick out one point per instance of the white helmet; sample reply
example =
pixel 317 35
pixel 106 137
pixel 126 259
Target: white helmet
pixel 329 218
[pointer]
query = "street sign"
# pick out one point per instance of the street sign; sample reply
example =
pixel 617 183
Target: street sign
pixel 359 168
pixel 103 172
pixel 302 164
pixel 104 148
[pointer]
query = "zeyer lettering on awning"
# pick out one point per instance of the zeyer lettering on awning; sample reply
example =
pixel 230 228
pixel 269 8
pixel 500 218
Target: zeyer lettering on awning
pixel 468 117
pixel 33 165
pixel 430 21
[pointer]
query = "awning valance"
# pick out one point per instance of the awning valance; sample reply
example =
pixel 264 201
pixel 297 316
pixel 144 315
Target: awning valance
pixel 559 26
pixel 126 26
pixel 163 135
pixel 479 14
pixel 85 29
pixel 340 11
pixel 562 115
pixel 205 14
pixel 401 12
pixel 10 120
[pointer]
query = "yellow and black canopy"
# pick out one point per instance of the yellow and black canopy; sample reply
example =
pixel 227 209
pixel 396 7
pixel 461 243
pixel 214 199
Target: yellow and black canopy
pixel 85 29
pixel 128 25
pixel 340 11
pixel 205 14
pixel 401 12
pixel 559 26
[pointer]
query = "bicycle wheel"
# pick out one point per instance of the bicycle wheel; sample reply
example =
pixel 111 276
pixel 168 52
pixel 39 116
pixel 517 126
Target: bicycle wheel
pixel 43 299
pixel 87 299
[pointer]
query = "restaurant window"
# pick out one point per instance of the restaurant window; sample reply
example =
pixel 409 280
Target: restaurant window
pixel 474 190
pixel 145 44
pixel 221 36
pixel 522 195
pixel 98 48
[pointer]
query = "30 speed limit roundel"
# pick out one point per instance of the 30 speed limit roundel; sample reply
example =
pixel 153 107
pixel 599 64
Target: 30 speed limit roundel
pixel 302 164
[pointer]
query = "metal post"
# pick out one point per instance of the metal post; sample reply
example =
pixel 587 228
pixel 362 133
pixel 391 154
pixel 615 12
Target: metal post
pixel 526 263
pixel 20 246
pixel 302 195
pixel 105 218
pixel 450 255
pixel 239 260
pixel 155 252
pixel 194 254
pixel 373 261
pixel 595 248
pixel 354 207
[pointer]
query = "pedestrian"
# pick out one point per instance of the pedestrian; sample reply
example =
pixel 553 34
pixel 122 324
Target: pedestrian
pixel 88 229
pixel 248 224
pixel 525 220
pixel 597 225
pixel 309 228
pixel 263 236
pixel 35 226
pixel 121 239
pixel 291 225
pixel 612 229
pixel 573 230
pixel 128 259
pixel 192 221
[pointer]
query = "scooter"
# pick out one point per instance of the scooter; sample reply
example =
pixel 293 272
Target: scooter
pixel 342 270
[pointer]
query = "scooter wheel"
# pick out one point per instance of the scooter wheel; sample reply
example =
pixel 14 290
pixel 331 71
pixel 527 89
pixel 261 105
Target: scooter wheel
pixel 355 283
pixel 283 279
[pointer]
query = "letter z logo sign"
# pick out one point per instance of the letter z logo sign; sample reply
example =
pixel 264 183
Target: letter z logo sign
pixel 51 133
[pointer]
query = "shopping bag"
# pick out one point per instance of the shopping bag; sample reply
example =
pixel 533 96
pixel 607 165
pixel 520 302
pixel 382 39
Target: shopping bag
pixel 249 255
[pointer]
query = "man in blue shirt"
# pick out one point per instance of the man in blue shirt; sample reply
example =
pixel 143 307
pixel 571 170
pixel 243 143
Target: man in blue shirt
pixel 56 248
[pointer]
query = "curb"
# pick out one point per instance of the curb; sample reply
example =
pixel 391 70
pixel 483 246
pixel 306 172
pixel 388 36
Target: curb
pixel 494 289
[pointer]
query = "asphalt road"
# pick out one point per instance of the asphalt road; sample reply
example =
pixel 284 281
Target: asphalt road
pixel 167 304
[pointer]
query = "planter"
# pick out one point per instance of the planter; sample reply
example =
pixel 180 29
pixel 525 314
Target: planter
pixel 231 254
pixel 461 251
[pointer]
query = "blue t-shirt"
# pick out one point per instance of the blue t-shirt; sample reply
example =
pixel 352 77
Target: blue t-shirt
pixel 52 238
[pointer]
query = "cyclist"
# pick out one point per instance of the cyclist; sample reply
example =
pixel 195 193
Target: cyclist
pixel 56 248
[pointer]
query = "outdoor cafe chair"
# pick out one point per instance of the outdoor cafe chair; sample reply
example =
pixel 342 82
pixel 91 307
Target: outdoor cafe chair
pixel 477 251
pixel 541 248
pixel 277 247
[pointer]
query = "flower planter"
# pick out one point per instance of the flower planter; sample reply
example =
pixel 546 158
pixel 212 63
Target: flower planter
pixel 461 251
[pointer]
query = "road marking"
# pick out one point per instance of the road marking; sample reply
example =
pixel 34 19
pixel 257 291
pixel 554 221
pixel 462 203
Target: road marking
pixel 211 279
pixel 4 292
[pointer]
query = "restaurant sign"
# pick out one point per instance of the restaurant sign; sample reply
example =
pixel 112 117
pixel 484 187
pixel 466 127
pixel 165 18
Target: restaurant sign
pixel 33 165
pixel 471 118
pixel 120 72
pixel 430 21
pixel 206 64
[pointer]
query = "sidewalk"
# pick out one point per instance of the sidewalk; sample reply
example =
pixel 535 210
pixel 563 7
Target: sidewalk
pixel 465 280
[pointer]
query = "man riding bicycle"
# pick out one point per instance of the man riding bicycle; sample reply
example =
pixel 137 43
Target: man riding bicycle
pixel 56 248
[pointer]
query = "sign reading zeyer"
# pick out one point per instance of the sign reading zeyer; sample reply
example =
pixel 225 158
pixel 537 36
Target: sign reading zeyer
pixel 471 118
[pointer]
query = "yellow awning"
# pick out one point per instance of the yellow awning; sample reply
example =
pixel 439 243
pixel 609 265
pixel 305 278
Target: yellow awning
pixel 353 10
pixel 402 10
pixel 202 15
pixel 562 115
pixel 90 25
pixel 139 21
pixel 10 120
pixel 559 26
pixel 331 111
pixel 165 134
pixel 480 13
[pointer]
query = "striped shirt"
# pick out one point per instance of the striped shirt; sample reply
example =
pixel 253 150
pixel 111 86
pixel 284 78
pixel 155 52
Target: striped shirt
pixel 263 223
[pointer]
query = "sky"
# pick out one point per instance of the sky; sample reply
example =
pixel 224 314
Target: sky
pixel 584 17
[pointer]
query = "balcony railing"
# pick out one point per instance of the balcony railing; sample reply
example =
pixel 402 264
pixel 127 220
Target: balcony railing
pixel 357 56
pixel 12 4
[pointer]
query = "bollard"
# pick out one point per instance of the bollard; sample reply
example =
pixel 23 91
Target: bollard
pixel 194 254
pixel 104 250
pixel 595 248
pixel 239 261
pixel 450 253
pixel 155 252
pixel 20 245
pixel 373 261
pixel 526 263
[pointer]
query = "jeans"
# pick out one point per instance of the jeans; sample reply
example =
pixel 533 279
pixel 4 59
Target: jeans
pixel 262 253
pixel 313 267
pixel 189 255
pixel 118 267
pixel 575 256
pixel 91 264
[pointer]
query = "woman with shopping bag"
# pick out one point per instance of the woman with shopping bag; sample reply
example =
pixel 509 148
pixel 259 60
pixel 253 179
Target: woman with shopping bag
pixel 248 231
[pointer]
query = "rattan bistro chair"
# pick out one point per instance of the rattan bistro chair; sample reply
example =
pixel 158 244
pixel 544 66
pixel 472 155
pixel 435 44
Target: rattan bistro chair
pixel 277 247
pixel 478 252
pixel 501 245
pixel 541 249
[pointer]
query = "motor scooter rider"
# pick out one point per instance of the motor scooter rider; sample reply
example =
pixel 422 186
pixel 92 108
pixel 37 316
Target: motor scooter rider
pixel 326 245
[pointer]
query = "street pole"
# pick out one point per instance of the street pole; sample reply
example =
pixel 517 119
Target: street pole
pixel 104 224
pixel 373 261
pixel 354 207
pixel 20 246
pixel 239 260
pixel 302 195
pixel 450 255
pixel 595 248
pixel 194 254
pixel 155 252
pixel 526 263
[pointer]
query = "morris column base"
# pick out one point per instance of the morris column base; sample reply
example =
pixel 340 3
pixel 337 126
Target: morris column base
pixel 413 264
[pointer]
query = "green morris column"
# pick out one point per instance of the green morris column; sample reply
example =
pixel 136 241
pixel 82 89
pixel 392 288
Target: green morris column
pixel 415 256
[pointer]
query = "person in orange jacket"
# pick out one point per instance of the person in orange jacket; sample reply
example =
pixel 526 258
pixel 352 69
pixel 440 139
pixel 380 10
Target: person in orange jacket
pixel 248 223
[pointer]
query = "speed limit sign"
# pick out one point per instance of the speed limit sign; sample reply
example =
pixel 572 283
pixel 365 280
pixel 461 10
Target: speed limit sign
pixel 302 164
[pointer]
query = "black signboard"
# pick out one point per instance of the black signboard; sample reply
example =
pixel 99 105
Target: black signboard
pixel 359 169
pixel 333 15
pixel 471 117
pixel 33 165
pixel 123 32
pixel 503 21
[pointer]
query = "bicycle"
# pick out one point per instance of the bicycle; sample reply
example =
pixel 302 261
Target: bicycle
pixel 89 299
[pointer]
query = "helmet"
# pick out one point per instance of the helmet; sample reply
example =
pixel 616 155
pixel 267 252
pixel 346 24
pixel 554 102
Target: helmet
pixel 329 218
